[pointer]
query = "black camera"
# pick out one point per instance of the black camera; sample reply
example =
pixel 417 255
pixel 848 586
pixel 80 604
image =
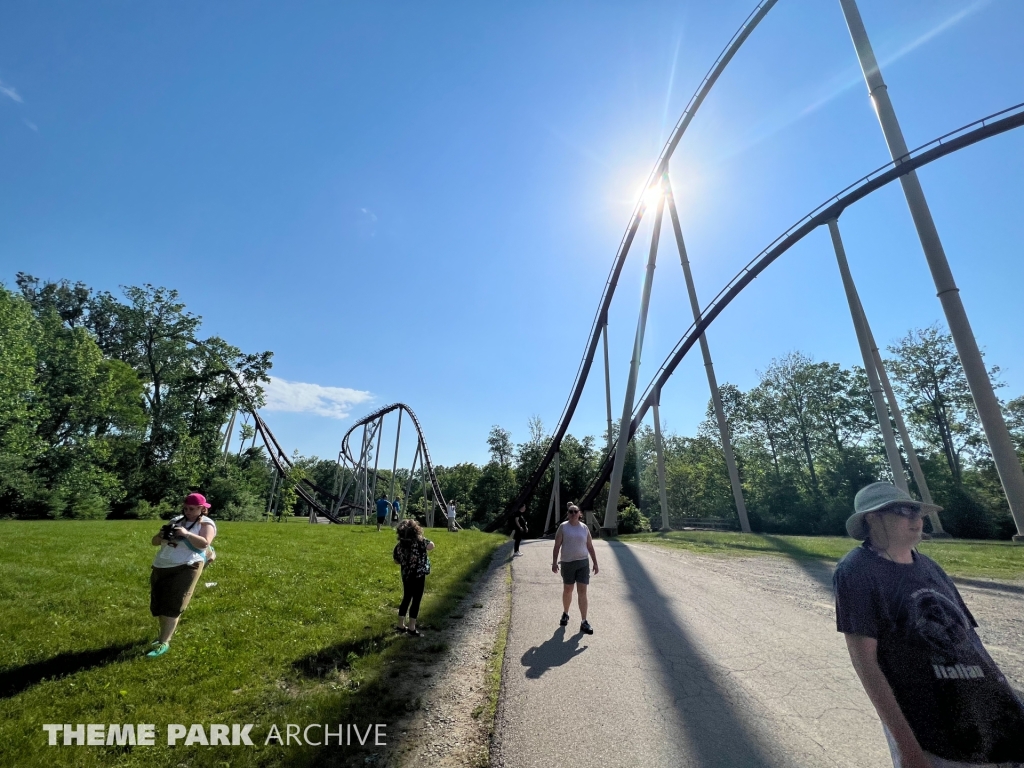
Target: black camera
pixel 167 532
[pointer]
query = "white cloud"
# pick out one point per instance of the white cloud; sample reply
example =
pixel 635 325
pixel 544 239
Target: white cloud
pixel 299 397
pixel 32 126
pixel 9 92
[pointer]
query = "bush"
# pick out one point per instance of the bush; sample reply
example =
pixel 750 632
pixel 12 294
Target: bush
pixel 632 520
pixel 143 510
pixel 245 506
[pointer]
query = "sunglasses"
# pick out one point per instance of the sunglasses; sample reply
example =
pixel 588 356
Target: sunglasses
pixel 909 511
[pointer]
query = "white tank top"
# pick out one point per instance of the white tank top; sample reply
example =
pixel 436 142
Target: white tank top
pixel 574 542
pixel 181 552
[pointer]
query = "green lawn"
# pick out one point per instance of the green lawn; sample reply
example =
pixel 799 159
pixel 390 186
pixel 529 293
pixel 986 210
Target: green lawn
pixel 297 630
pixel 991 559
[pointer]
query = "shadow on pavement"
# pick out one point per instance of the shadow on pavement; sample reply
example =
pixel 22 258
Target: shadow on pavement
pixel 713 730
pixel 998 586
pixel 812 564
pixel 552 653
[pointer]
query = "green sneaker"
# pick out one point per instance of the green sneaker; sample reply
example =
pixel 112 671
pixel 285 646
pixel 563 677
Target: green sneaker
pixel 160 650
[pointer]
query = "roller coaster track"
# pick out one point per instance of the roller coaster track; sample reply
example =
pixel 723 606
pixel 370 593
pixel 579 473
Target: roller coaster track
pixel 306 489
pixel 972 133
pixel 601 318
pixel 422 449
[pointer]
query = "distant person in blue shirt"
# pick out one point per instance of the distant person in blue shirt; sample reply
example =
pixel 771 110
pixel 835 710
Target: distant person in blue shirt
pixel 383 507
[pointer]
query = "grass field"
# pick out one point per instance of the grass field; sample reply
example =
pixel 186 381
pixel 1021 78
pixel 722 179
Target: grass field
pixel 990 559
pixel 297 629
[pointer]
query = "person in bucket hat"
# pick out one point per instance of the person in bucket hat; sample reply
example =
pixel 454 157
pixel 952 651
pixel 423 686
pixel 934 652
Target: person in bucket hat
pixel 941 698
pixel 177 566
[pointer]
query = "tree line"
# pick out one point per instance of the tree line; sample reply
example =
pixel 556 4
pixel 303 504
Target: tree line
pixel 113 406
pixel 806 440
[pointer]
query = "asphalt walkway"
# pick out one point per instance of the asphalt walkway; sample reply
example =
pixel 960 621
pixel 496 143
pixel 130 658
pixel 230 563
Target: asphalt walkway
pixel 693 663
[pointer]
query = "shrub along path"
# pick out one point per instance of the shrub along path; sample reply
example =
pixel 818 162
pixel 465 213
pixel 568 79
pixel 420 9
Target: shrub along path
pixel 295 627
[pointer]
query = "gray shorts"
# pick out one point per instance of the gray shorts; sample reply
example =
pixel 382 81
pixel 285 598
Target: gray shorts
pixel 575 571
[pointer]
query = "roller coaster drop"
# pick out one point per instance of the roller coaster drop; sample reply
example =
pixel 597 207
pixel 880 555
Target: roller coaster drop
pixel 902 167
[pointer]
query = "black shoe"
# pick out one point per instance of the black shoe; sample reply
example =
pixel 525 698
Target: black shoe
pixel 586 629
pixel 564 620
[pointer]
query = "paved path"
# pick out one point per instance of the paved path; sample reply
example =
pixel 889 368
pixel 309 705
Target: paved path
pixel 692 664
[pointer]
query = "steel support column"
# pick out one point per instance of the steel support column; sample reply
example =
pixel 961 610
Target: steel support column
pixel 227 434
pixel 1003 454
pixel 428 510
pixel 901 427
pixel 558 491
pixel 607 382
pixel 892 452
pixel 659 446
pixel 394 464
pixel 273 492
pixel 376 459
pixel 611 513
pixel 709 368
pixel 412 474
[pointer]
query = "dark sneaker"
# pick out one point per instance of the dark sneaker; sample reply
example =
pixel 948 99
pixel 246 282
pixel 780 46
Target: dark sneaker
pixel 586 629
pixel 564 620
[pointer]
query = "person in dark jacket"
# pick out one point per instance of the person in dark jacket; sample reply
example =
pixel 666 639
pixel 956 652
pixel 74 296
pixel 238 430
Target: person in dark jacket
pixel 411 554
pixel 521 529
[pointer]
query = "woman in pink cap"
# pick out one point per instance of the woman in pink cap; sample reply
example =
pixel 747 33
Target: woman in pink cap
pixel 183 546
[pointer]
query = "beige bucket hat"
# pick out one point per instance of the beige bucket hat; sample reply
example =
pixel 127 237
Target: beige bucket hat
pixel 875 498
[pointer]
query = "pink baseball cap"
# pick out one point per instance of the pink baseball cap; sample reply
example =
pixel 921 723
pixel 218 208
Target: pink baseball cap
pixel 196 500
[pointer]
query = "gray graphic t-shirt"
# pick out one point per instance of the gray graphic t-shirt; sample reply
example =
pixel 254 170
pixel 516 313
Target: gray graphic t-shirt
pixel 957 702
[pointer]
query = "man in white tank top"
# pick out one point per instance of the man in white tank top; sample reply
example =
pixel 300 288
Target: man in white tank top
pixel 574 541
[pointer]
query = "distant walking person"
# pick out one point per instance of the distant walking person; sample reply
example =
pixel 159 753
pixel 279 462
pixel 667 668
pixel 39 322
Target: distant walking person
pixel 411 553
pixel 451 516
pixel 383 507
pixel 521 529
pixel 396 511
pixel 573 539
pixel 183 546
pixel 941 698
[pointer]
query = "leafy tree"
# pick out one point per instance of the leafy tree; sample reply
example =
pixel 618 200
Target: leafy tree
pixel 931 382
pixel 499 443
pixel 20 408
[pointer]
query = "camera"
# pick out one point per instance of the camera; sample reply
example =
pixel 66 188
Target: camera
pixel 167 532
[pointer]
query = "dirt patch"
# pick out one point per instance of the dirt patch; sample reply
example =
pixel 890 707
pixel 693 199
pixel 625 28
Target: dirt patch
pixel 448 685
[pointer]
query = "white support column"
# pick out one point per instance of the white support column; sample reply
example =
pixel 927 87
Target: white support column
pixel 901 427
pixel 892 452
pixel 407 501
pixel 394 464
pixel 376 459
pixel 551 506
pixel 709 368
pixel 428 507
pixel 228 433
pixel 659 445
pixel 611 513
pixel 558 491
pixel 273 493
pixel 1003 454
pixel 607 382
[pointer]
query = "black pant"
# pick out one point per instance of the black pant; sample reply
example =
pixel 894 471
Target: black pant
pixel 518 538
pixel 413 593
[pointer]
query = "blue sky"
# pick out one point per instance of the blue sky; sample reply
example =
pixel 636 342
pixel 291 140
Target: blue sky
pixel 420 202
